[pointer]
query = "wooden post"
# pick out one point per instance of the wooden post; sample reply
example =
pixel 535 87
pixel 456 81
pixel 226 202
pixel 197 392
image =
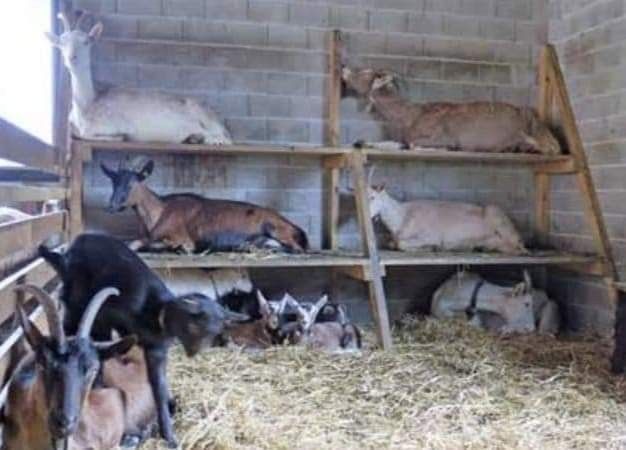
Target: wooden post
pixel 584 179
pixel 333 140
pixel 378 303
pixel 542 178
pixel 76 189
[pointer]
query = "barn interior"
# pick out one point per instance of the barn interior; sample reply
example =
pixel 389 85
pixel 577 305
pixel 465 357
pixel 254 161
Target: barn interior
pixel 272 71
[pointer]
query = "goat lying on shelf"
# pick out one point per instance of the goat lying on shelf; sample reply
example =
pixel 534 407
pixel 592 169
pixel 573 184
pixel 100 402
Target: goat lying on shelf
pixel 444 225
pixel 471 127
pixel 125 114
pixel 196 224
pixel 51 396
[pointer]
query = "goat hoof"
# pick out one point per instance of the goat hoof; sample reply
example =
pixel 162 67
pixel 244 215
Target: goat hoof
pixel 130 441
pixel 172 443
pixel 172 405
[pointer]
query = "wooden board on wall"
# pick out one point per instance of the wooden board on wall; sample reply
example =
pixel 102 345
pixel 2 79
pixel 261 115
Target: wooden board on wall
pixel 19 146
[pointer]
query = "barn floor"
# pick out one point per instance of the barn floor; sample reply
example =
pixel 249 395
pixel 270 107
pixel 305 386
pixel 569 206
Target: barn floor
pixel 445 386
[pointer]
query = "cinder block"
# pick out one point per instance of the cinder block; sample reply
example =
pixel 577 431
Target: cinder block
pixel 499 74
pixel 160 28
pixel 307 107
pixel 96 6
pixel 481 8
pixel 309 14
pixel 124 75
pixel 226 9
pixel 229 105
pixel 201 78
pixel 317 38
pixel 287 36
pixel 286 83
pixel 511 52
pixel 142 7
pixel 158 77
pixel 425 23
pixel 363 130
pixel 227 58
pixel 462 26
pixel 119 26
pixel 425 69
pixel 446 6
pixel 269 106
pixel 389 20
pixel 498 29
pixel 514 9
pixel 247 129
pixel 244 81
pixel 186 8
pixel 348 18
pixel 403 44
pixel 316 84
pixel 462 49
pixel 268 11
pixel 454 71
pixel 288 131
pixel 104 52
pixel 365 43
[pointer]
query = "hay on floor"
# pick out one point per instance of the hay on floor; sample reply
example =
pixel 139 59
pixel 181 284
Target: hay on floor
pixel 445 386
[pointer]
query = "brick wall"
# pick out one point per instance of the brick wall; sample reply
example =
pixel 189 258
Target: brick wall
pixel 261 65
pixel 591 38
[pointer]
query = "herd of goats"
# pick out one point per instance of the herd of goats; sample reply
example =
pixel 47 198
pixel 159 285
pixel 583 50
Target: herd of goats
pixel 99 378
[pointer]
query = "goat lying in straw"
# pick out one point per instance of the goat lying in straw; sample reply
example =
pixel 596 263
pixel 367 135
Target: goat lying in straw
pixel 51 396
pixel 471 127
pixel 124 114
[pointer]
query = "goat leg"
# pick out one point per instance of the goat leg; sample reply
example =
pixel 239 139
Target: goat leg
pixel 156 362
pixel 618 360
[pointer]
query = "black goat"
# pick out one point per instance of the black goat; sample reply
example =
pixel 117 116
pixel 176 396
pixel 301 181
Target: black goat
pixel 145 308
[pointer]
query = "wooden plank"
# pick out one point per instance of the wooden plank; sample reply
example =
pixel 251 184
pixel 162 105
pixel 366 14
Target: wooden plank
pixel 76 189
pixel 232 260
pixel 86 147
pixel 593 211
pixel 542 207
pixel 545 99
pixel 557 167
pixel 395 258
pixel 378 302
pixel 26 234
pixel 19 146
pixel 24 193
pixel 331 209
pixel 334 89
pixel 433 155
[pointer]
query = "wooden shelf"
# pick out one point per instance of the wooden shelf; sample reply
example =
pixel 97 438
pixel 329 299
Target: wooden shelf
pixel 394 258
pixel 435 155
pixel 87 146
pixel 233 260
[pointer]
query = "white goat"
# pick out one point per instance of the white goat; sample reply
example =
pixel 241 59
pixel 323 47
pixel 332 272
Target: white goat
pixel 445 225
pixel 122 114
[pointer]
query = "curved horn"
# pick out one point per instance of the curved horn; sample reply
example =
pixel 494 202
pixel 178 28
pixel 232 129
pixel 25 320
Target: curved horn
pixel 89 316
pixel 80 18
pixel 49 307
pixel 370 175
pixel 62 16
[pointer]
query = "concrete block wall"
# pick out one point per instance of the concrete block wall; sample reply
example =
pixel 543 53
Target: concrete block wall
pixel 261 64
pixel 590 36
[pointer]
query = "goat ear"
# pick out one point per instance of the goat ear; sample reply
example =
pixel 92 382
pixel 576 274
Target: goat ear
pixel 146 171
pixel 53 38
pixel 96 31
pixel 112 174
pixel 382 81
pixel 264 307
pixel 107 350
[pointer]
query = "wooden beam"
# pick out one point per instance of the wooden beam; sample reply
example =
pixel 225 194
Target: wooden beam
pixel 27 234
pixel 76 189
pixel 378 302
pixel 19 146
pixel 584 179
pixel 362 273
pixel 565 167
pixel 542 207
pixel 545 99
pixel 25 193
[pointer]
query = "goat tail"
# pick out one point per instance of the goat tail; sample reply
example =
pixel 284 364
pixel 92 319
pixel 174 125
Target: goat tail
pixel 292 237
pixel 56 260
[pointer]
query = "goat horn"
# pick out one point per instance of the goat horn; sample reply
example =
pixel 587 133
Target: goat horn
pixel 62 15
pixel 80 17
pixel 49 307
pixel 370 175
pixel 89 316
pixel 316 309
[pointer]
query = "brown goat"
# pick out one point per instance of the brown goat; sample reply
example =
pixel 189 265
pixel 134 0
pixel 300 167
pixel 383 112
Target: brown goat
pixel 261 333
pixel 196 224
pixel 51 397
pixel 473 127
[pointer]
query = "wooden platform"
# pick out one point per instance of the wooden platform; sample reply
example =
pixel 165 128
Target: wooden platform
pixel 348 259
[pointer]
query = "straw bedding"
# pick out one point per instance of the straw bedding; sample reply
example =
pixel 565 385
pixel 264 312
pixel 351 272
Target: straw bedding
pixel 444 386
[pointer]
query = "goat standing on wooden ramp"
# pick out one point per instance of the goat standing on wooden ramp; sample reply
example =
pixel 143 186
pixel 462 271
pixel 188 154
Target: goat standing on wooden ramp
pixel 196 224
pixel 145 307
pixel 51 397
pixel 123 114
pixel 471 127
